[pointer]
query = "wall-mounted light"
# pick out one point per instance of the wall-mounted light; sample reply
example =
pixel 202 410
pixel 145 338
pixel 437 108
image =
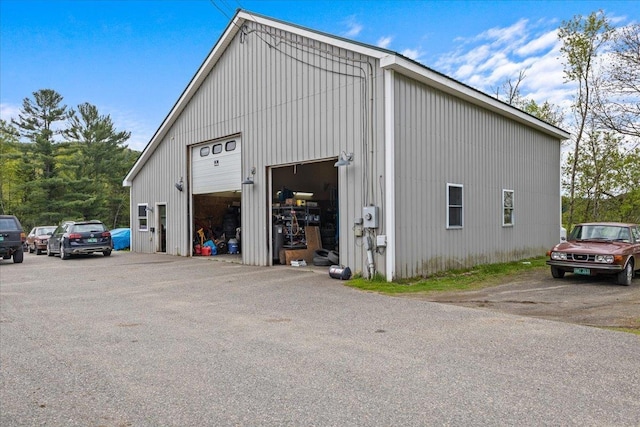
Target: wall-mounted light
pixel 344 160
pixel 249 179
pixel 180 184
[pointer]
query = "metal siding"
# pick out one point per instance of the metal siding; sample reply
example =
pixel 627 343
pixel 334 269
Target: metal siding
pixel 440 140
pixel 155 184
pixel 290 102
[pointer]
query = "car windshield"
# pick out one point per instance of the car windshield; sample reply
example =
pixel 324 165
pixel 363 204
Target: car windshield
pixel 87 228
pixel 44 230
pixel 601 232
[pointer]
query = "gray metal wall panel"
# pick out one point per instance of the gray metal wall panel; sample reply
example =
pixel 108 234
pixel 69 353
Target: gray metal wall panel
pixel 440 140
pixel 156 184
pixel 293 100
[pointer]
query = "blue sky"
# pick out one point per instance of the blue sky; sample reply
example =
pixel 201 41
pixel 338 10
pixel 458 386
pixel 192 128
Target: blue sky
pixel 133 59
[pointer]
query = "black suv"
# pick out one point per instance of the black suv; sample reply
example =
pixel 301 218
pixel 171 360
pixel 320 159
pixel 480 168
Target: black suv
pixel 12 238
pixel 80 237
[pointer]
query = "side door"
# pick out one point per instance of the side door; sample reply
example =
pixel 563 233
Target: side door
pixel 56 237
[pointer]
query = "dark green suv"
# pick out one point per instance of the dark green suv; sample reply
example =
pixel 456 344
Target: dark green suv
pixel 12 238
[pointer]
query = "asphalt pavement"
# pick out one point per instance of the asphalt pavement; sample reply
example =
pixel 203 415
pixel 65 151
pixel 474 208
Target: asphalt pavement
pixel 157 340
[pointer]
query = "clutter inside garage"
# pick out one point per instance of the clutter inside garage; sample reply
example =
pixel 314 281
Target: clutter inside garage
pixel 216 225
pixel 305 214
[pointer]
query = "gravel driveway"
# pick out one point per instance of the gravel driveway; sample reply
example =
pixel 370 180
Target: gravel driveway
pixel 154 340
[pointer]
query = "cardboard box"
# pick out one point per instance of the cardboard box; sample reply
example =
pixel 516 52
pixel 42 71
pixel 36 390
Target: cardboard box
pixel 288 202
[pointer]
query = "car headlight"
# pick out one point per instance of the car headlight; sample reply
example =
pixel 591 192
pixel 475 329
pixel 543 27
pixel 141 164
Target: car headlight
pixel 606 259
pixel 559 256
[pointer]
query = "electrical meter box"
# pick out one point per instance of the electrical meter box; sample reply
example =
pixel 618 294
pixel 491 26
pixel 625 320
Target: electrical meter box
pixel 371 216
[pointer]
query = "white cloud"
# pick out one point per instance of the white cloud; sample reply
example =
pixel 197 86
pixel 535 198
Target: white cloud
pixel 9 111
pixel 488 59
pixel 505 35
pixel 414 54
pixel 384 42
pixel 353 27
pixel 546 41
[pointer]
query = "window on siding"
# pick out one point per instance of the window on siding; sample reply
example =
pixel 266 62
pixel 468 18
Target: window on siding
pixel 217 149
pixel 230 146
pixel 507 207
pixel 204 151
pixel 142 217
pixel 454 206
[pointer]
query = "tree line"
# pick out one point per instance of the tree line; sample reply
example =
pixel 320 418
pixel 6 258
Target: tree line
pixel 60 163
pixel 601 172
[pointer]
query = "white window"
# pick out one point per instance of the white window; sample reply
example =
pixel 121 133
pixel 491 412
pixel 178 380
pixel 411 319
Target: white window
pixel 142 216
pixel 454 206
pixel 507 208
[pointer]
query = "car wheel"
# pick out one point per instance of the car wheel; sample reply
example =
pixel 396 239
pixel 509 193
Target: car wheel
pixel 557 273
pixel 106 253
pixel 62 254
pixel 49 253
pixel 18 256
pixel 626 275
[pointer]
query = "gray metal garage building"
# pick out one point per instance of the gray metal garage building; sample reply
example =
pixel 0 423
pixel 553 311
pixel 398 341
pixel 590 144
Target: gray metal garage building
pixel 403 169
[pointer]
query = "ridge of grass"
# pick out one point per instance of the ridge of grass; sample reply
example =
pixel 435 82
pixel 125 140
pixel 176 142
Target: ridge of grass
pixel 477 277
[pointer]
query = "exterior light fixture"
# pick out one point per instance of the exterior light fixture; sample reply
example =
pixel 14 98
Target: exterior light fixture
pixel 249 179
pixel 180 185
pixel 344 160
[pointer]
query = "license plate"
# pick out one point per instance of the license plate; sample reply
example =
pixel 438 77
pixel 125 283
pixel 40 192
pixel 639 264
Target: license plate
pixel 92 240
pixel 584 271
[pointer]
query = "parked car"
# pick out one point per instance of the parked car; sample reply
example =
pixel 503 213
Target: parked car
pixel 598 248
pixel 80 237
pixel 12 238
pixel 38 238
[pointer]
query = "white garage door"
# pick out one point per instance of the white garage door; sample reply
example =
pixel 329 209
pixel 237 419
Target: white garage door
pixel 216 167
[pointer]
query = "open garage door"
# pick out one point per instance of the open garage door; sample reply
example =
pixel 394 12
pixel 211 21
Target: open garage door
pixel 216 181
pixel 216 167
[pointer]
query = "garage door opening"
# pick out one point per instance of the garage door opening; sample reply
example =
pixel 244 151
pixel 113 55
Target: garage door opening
pixel 215 203
pixel 304 211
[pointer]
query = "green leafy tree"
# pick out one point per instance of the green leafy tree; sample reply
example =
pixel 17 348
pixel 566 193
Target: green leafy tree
pixel 38 123
pixel 582 39
pixel 11 175
pixel 98 159
pixel 618 103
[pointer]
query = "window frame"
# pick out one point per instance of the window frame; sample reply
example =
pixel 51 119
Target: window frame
pixel 145 217
pixel 450 206
pixel 512 208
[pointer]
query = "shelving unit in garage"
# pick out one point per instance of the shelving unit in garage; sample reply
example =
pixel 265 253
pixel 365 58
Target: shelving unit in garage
pixel 300 229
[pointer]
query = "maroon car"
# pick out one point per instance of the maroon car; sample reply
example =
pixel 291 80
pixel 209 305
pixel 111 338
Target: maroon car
pixel 598 248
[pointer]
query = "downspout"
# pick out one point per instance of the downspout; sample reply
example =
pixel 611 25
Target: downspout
pixel 389 172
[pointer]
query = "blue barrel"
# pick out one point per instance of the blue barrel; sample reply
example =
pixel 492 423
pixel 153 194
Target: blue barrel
pixel 232 246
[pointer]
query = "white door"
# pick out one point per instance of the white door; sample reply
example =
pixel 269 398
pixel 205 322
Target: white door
pixel 216 167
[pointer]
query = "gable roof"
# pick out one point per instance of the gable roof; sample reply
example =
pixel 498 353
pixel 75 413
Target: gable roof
pixel 388 60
